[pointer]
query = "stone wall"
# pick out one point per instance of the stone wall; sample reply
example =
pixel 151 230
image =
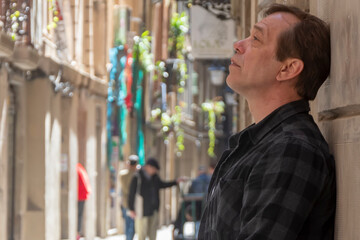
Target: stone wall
pixel 337 105
pixel 338 108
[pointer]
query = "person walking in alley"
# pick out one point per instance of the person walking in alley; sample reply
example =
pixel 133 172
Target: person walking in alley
pixel 198 189
pixel 84 191
pixel 125 177
pixel 144 198
pixel 277 179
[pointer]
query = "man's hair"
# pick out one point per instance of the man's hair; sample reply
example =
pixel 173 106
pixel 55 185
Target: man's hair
pixel 308 40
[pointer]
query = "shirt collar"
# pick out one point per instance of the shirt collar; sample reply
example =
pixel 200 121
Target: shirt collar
pixel 256 132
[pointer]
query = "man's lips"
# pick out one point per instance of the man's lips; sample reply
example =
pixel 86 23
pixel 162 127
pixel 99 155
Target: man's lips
pixel 233 63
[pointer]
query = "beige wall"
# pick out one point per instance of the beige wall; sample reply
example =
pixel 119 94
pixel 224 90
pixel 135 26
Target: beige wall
pixel 3 153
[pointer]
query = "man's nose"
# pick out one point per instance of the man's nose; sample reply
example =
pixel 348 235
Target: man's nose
pixel 239 46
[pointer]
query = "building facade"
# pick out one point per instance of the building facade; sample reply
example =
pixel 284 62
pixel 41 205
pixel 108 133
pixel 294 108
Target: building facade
pixel 53 92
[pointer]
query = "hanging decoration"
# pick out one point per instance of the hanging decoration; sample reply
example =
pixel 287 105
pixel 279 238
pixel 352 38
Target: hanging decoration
pixel 179 27
pixel 142 62
pixel 16 18
pixel 214 109
pixel 116 109
pixel 55 14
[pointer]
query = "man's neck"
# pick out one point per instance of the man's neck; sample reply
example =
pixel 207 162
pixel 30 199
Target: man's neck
pixel 262 107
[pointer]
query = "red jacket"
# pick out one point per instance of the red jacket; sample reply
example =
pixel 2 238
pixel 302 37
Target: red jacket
pixel 84 189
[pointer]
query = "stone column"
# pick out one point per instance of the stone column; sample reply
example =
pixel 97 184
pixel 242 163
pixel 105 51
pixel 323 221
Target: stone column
pixel 69 159
pixel 100 50
pixel 102 176
pixel 73 160
pixel 42 217
pixel 90 158
pixel 79 31
pixel 65 110
pixel 3 153
pixel 52 165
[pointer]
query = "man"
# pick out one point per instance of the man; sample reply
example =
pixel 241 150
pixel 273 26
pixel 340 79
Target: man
pixel 147 184
pixel 196 194
pixel 125 179
pixel 277 180
pixel 201 183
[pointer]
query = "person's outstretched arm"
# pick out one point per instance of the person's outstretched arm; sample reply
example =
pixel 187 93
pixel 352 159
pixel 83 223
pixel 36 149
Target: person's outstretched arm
pixel 163 184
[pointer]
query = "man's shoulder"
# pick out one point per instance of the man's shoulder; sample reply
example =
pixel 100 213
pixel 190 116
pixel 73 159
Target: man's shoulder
pixel 298 137
pixel 299 133
pixel 301 129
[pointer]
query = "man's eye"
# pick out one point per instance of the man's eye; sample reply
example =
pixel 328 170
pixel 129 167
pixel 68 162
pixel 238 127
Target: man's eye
pixel 255 38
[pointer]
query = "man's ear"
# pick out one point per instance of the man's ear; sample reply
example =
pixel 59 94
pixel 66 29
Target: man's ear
pixel 291 68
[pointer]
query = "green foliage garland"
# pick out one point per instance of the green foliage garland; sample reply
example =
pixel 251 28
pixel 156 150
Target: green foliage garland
pixel 142 47
pixel 214 109
pixel 179 26
pixel 171 122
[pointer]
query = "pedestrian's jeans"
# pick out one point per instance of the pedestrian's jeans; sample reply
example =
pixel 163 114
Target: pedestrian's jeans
pixel 129 224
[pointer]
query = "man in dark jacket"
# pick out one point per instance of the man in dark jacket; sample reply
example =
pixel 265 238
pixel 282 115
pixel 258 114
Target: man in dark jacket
pixel 146 213
pixel 277 179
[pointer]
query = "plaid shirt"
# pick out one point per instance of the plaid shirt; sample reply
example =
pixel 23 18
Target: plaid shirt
pixel 276 181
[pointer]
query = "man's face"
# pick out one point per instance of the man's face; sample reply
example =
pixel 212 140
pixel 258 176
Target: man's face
pixel 151 170
pixel 254 66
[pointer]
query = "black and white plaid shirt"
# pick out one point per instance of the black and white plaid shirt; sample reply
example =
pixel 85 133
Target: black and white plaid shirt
pixel 276 181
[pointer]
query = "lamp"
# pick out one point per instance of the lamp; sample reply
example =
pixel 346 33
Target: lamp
pixel 217 75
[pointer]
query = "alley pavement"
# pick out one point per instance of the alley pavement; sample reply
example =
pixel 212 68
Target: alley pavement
pixel 164 233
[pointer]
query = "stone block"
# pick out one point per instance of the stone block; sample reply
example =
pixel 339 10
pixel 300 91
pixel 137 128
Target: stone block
pixel 342 88
pixel 6 45
pixel 25 57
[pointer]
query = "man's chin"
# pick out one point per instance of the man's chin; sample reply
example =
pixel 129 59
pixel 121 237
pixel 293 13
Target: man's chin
pixel 236 85
pixel 230 82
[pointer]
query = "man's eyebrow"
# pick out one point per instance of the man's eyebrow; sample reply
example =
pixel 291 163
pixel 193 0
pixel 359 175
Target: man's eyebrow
pixel 260 29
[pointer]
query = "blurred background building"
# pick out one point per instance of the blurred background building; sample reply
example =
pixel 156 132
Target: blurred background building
pixel 53 115
pixel 93 81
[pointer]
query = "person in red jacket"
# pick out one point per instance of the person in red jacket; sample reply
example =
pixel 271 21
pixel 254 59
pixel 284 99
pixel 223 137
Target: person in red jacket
pixel 83 194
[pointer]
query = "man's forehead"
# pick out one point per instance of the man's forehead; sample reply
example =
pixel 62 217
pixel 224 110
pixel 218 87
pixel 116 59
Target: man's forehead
pixel 278 19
